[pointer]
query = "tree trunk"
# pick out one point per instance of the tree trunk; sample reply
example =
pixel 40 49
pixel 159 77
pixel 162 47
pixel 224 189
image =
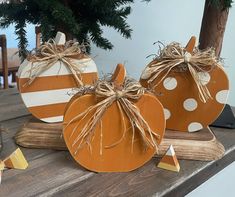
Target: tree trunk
pixel 213 26
pixel 69 36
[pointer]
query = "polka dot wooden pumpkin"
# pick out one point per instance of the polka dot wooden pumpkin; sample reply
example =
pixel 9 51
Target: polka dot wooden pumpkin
pixel 45 83
pixel 115 128
pixel 190 84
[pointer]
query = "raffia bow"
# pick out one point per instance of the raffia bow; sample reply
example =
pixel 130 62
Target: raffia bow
pixel 174 58
pixel 125 97
pixel 49 53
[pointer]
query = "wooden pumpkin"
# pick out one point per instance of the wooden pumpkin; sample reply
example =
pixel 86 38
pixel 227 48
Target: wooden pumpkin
pixel 184 107
pixel 48 93
pixel 113 144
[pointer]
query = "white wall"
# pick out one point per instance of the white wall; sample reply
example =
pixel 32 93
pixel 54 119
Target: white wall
pixel 228 53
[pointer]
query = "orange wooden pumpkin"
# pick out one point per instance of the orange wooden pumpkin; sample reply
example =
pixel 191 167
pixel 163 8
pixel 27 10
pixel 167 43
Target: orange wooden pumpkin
pixel 47 95
pixel 112 145
pixel 184 108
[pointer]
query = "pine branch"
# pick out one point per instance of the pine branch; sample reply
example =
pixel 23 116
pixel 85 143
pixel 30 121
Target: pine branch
pixel 96 37
pixel 81 19
pixel 21 37
pixel 222 4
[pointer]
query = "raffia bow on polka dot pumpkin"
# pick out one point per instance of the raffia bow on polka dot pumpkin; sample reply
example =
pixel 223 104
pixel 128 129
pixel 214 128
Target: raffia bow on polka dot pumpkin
pixel 190 83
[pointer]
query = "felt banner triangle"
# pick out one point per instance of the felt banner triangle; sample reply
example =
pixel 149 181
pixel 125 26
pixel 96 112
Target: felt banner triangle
pixel 169 161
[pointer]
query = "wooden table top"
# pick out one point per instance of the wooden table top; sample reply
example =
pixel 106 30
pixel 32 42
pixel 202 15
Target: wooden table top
pixel 54 173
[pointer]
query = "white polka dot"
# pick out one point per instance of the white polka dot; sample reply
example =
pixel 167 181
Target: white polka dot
pixel 190 104
pixel 170 83
pixel 204 77
pixel 194 126
pixel 222 96
pixel 167 113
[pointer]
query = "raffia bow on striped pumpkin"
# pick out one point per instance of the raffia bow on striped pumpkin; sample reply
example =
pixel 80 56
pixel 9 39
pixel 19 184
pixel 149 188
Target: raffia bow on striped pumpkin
pixel 49 53
pixel 174 58
pixel 107 93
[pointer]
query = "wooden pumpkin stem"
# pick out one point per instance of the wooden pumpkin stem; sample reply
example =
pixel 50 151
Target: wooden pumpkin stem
pixel 191 44
pixel 119 75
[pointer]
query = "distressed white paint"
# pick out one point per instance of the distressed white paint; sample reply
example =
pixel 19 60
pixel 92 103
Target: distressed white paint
pixel 47 97
pixel 86 65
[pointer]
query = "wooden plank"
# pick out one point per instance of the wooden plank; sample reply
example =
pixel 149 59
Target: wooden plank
pixel 149 180
pixel 54 173
pixel 10 128
pixel 142 182
pixel 197 146
pixel 48 171
pixel 44 176
pixel 145 181
pixel 11 105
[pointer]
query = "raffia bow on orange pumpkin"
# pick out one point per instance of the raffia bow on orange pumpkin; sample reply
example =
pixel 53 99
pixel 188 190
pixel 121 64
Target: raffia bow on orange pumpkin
pixel 107 93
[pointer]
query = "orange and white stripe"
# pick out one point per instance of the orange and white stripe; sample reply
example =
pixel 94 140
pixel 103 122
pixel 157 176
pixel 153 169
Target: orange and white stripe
pixel 47 96
pixel 169 161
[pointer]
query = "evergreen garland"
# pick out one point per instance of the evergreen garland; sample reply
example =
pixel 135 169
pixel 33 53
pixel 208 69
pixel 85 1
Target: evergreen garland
pixel 81 19
pixel 222 4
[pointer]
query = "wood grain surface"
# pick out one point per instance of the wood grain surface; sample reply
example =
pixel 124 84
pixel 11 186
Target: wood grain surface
pixel 54 173
pixel 200 145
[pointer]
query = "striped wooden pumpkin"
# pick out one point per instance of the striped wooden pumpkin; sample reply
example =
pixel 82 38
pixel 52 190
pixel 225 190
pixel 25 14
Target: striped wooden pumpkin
pixel 47 96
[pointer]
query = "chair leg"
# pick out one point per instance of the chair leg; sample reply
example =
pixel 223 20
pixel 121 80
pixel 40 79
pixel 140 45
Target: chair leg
pixel 4 61
pixel 13 77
